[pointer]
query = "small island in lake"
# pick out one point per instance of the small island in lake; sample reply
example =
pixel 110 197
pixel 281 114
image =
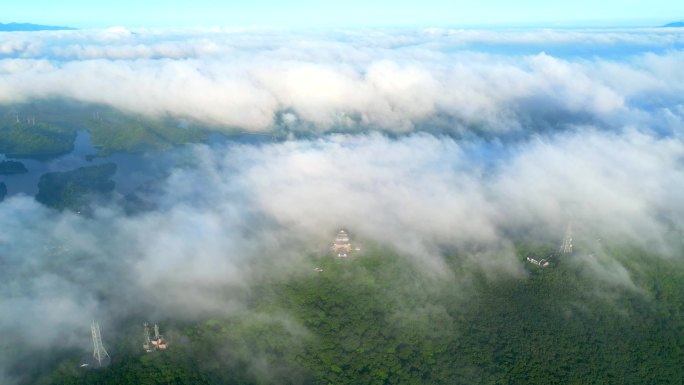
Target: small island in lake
pixel 72 189
pixel 11 167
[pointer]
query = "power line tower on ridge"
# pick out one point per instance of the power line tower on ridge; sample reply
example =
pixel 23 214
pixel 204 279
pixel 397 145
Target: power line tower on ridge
pixel 151 344
pixel 566 246
pixel 99 352
pixel 147 345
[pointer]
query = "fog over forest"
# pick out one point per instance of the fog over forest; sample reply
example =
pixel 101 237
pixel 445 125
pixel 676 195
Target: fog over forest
pixel 431 143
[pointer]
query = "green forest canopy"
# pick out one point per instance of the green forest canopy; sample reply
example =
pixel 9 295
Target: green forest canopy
pixel 378 319
pixel 48 129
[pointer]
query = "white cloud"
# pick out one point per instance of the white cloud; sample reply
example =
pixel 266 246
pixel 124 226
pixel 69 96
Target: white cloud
pixel 599 145
pixel 393 81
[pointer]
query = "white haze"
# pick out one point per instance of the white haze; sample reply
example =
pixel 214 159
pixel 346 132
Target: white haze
pixel 394 81
pixel 598 144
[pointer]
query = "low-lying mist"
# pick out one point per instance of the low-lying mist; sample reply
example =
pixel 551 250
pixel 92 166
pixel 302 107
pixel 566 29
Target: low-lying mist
pixel 238 214
pixel 406 143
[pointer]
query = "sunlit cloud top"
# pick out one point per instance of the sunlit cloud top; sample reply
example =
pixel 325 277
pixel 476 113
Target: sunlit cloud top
pixel 430 141
pixel 437 78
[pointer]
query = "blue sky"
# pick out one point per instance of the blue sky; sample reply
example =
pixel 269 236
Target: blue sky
pixel 349 13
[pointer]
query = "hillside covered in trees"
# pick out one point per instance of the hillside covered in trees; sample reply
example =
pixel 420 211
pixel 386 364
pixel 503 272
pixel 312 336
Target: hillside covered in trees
pixel 76 188
pixel 380 319
pixel 43 130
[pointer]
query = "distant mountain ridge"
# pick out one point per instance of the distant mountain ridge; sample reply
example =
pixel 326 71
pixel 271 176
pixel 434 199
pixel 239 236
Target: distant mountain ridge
pixel 10 27
pixel 676 24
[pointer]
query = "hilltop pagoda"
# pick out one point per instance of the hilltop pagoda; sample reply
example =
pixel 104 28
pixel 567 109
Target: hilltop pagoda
pixel 341 246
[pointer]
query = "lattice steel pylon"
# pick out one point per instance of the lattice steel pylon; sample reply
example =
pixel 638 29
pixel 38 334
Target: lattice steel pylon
pixel 566 246
pixel 99 352
pixel 146 343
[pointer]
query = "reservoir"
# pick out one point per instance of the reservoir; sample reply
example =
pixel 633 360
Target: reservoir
pixel 133 169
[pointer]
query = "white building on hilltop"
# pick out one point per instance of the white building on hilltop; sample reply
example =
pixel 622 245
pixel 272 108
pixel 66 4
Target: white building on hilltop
pixel 538 262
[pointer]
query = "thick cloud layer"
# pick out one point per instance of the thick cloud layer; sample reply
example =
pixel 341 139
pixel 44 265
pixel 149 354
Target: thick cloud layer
pixel 600 147
pixel 396 81
pixel 242 209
